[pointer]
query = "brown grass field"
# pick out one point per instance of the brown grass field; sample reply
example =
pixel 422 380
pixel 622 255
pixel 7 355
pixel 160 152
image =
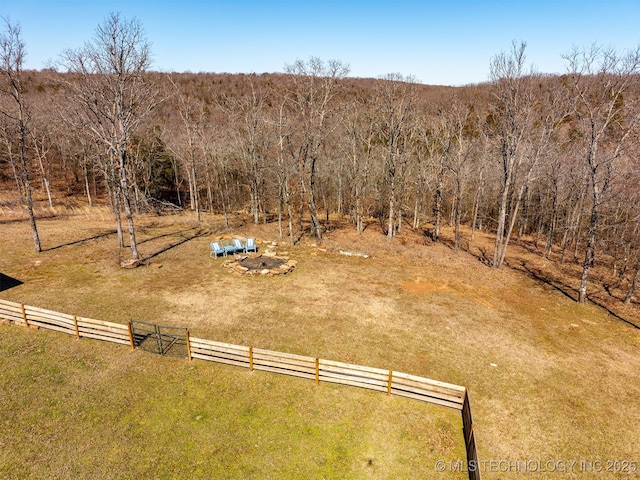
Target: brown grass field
pixel 549 380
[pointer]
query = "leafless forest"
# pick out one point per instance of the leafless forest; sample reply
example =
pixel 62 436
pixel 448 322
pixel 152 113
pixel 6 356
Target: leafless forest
pixel 554 158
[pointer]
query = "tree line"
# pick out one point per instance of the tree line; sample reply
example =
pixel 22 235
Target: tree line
pixel 555 157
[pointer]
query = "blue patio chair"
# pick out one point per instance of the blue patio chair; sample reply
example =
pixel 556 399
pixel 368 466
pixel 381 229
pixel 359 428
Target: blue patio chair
pixel 239 247
pixel 216 249
pixel 250 246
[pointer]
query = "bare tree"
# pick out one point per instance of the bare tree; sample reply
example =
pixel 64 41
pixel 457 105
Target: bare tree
pixel 311 98
pixel 42 142
pixel 252 144
pixel 510 124
pixel 437 140
pixel 113 96
pixel 634 199
pixel 9 133
pixel 462 126
pixel 396 97
pixel 282 131
pixel 358 148
pixel 606 111
pixel 12 55
pixel 185 145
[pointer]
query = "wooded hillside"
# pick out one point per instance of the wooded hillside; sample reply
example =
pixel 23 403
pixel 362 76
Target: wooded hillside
pixel 553 157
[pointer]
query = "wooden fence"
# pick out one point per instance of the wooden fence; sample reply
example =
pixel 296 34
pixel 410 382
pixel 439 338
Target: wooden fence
pixel 320 370
pixel 62 322
pixel 312 368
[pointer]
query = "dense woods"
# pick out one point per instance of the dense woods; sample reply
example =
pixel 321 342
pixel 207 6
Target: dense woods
pixel 556 158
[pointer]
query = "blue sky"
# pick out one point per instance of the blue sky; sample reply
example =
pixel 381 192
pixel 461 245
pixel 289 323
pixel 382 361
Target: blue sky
pixel 446 42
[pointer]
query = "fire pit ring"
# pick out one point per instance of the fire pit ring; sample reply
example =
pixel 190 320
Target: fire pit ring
pixel 267 265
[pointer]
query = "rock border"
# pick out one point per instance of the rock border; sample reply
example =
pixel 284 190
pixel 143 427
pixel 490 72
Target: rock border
pixel 234 266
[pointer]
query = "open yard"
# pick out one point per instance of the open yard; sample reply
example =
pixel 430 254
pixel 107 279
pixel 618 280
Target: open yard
pixel 550 381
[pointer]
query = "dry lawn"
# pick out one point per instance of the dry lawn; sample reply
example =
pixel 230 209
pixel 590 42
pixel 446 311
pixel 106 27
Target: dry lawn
pixel 548 379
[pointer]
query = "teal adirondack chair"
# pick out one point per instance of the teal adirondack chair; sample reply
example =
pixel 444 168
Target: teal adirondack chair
pixel 216 249
pixel 237 244
pixel 250 246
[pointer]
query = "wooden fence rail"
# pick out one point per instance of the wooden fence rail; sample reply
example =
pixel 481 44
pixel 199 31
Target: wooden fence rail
pixel 312 368
pixel 14 312
pixel 62 322
pixel 101 330
pixel 387 381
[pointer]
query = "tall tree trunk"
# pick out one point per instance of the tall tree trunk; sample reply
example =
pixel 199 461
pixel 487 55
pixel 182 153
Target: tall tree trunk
pixel 193 188
pixel 553 223
pixel 124 190
pixel 589 254
pixel 224 195
pixel 114 200
pixel 392 193
pixel 315 221
pixel 437 206
pixel 458 214
pixel 280 211
pixel 359 224
pixel 290 214
pixel 43 173
pixel 391 225
pixel 502 216
pixel 416 214
pixel 27 186
pixel 507 236
pixel 634 284
pixel 85 174
pixel 476 207
pixel 16 175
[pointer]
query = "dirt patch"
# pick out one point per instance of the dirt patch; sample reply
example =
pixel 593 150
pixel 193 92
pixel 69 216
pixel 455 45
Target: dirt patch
pixel 421 286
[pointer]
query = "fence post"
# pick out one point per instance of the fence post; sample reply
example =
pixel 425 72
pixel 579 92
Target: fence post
pixel 469 439
pixel 133 344
pixel 251 359
pixel 75 324
pixel 188 343
pixel 389 384
pixel 317 371
pixel 24 315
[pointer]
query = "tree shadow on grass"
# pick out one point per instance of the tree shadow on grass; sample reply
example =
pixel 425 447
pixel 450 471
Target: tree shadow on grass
pixel 82 240
pixel 569 291
pixel 7 282
pixel 548 279
pixel 185 239
pixel 566 290
pixel 164 235
pixel 26 219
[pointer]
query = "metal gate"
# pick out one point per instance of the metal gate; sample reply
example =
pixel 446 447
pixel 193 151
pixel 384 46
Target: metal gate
pixel 160 339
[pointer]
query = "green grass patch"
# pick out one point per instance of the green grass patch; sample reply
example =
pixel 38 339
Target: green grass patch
pixel 88 409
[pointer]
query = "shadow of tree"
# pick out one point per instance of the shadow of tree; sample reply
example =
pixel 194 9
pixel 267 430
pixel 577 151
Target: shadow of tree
pixel 557 282
pixel 185 239
pixel 26 219
pixel 83 240
pixel 570 292
pixel 7 282
pixel 547 279
pixel 164 235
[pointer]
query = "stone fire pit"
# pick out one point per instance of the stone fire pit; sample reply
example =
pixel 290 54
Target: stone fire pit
pixel 267 265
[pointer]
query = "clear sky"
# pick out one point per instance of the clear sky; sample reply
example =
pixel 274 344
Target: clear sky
pixel 446 42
